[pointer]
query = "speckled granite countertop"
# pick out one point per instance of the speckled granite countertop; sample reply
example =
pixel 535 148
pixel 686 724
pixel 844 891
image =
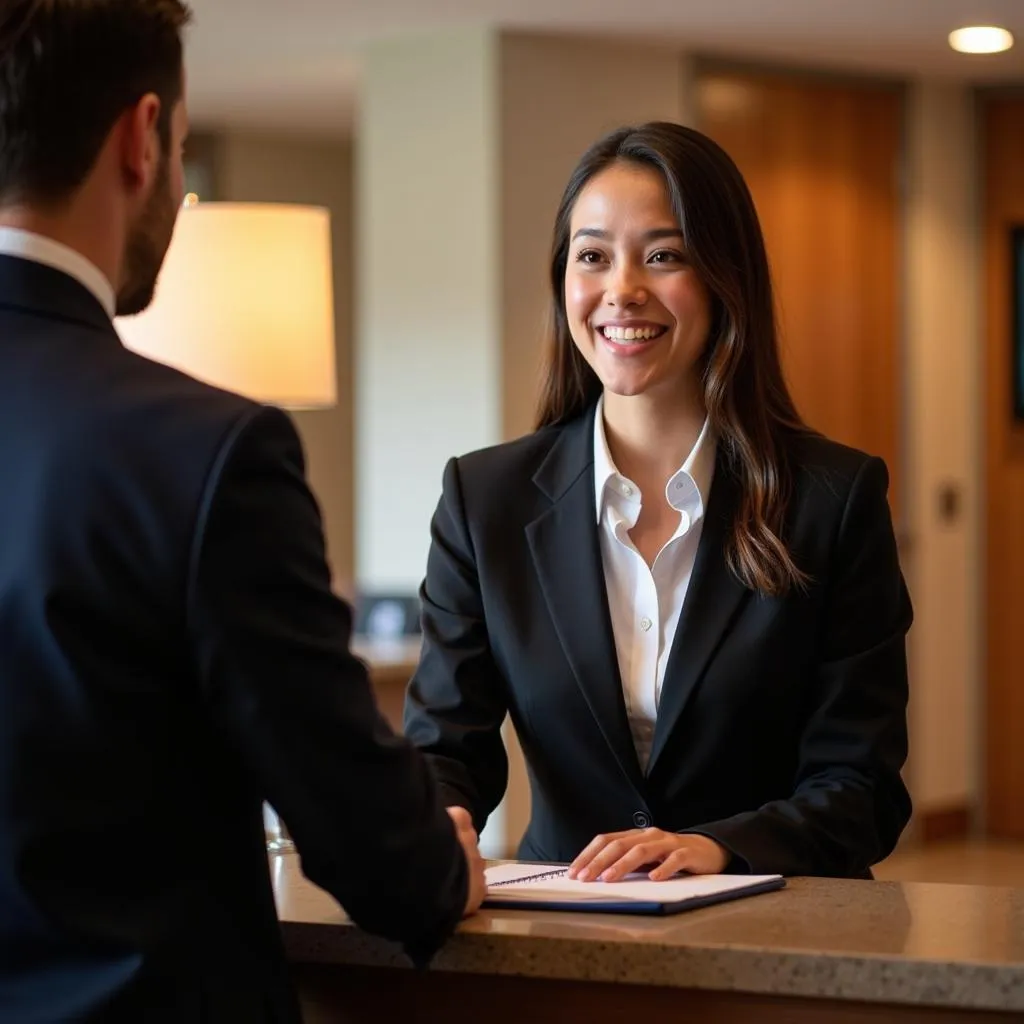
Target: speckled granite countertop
pixel 881 942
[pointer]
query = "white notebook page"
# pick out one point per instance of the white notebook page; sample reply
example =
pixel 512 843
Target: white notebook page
pixel 514 881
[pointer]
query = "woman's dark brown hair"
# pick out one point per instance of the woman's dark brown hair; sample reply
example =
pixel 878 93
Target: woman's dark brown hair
pixel 745 393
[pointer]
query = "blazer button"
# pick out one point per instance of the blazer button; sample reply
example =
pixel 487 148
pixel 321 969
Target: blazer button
pixel 642 820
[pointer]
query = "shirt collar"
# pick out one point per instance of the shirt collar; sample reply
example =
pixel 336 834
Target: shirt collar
pixel 698 467
pixel 30 246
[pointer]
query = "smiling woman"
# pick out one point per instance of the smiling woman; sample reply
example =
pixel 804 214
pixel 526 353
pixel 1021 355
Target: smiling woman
pixel 689 603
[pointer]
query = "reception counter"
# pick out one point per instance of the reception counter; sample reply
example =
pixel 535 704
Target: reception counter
pixel 816 952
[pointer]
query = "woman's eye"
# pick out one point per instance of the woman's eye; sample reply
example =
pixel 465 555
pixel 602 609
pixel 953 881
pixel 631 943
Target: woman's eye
pixel 666 256
pixel 588 256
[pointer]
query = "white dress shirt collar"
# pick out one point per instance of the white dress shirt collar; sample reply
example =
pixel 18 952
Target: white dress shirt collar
pixel 686 490
pixel 30 246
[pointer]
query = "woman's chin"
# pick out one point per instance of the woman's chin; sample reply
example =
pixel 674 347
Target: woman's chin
pixel 625 387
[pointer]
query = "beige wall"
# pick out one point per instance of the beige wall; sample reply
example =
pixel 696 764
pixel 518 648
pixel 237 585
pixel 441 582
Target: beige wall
pixel 943 443
pixel 427 358
pixel 273 168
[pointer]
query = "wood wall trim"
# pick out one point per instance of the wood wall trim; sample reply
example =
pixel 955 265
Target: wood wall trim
pixel 1002 146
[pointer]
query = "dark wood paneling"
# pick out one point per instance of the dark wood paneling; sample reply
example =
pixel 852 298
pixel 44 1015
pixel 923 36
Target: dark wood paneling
pixel 822 158
pixel 1002 133
pixel 336 995
pixel 944 824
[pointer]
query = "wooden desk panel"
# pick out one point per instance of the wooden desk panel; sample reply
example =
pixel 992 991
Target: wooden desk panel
pixel 333 995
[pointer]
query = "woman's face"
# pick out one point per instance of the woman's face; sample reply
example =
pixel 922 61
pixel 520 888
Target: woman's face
pixel 637 310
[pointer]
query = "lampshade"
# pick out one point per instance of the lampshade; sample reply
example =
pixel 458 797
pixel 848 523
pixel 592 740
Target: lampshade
pixel 245 302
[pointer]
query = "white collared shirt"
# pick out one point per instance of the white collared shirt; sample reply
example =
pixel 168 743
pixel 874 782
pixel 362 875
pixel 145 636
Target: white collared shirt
pixel 30 246
pixel 645 602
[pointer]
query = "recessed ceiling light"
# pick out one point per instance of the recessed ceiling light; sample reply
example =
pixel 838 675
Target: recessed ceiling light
pixel 981 39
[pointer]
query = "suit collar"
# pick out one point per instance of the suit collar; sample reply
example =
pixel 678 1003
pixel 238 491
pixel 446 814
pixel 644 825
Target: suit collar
pixel 51 253
pixel 570 456
pixel 35 288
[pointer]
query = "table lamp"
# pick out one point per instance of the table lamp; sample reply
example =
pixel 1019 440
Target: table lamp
pixel 245 302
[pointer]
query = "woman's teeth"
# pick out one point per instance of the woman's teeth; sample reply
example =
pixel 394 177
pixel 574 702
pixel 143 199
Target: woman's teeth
pixel 631 333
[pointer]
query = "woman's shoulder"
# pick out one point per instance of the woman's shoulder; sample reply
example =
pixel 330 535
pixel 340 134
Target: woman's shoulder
pixel 825 467
pixel 814 452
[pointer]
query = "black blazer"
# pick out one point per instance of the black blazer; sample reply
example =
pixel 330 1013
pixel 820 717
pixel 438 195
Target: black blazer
pixel 171 655
pixel 781 729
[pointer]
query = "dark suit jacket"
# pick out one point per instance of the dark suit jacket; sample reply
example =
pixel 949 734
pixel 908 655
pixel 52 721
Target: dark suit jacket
pixel 170 656
pixel 781 729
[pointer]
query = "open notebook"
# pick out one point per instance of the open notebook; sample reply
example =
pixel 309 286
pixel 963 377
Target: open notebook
pixel 518 886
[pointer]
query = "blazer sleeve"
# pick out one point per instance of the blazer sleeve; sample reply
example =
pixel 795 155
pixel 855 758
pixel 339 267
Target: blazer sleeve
pixel 457 700
pixel 849 803
pixel 271 642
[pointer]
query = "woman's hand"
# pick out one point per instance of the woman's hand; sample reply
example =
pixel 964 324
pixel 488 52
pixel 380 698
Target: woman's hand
pixel 614 856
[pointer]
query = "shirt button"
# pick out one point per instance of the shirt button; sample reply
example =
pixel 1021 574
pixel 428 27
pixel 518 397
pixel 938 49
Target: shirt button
pixel 645 624
pixel 641 820
pixel 680 485
pixel 627 490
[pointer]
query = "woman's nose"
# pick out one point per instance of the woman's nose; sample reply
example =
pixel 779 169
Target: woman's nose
pixel 626 286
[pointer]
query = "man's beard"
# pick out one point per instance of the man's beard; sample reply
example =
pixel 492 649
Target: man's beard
pixel 147 246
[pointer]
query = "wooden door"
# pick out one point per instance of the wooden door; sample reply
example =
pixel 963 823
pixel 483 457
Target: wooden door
pixel 823 158
pixel 1002 141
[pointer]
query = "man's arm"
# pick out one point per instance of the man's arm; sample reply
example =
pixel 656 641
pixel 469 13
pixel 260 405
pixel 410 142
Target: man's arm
pixel 271 643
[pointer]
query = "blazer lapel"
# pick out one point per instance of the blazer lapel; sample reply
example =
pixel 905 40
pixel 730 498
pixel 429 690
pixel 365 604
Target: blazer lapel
pixel 567 556
pixel 713 598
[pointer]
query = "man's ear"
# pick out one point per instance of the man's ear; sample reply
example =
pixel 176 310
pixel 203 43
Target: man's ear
pixel 140 143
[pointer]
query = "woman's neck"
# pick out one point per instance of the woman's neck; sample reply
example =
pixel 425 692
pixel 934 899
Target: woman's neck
pixel 649 439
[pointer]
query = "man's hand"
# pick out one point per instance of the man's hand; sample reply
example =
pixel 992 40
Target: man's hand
pixel 474 862
pixel 612 857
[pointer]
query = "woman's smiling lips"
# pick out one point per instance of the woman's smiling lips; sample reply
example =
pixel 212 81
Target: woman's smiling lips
pixel 629 337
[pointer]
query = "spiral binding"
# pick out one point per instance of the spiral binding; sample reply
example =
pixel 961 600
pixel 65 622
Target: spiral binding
pixel 531 878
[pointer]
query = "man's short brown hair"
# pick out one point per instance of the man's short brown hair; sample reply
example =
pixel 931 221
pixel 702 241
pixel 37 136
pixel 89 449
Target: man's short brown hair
pixel 68 70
